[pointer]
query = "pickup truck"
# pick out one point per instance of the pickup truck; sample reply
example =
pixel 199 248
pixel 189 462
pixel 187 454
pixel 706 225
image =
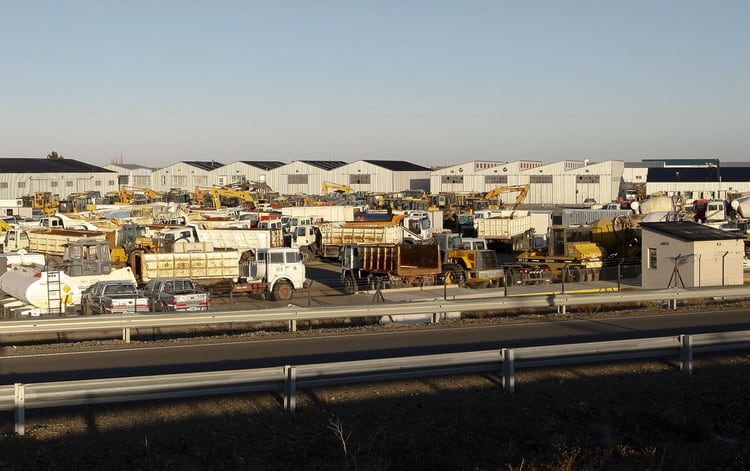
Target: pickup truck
pixel 176 294
pixel 113 297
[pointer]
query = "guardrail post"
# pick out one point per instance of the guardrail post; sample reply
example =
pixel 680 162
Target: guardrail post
pixel 290 388
pixel 126 334
pixel 686 354
pixel 20 401
pixel 293 325
pixel 509 368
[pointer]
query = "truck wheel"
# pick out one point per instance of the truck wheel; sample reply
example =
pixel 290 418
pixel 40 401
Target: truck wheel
pixel 574 274
pixel 282 291
pixel 160 306
pixel 454 274
pixel 307 255
pixel 350 284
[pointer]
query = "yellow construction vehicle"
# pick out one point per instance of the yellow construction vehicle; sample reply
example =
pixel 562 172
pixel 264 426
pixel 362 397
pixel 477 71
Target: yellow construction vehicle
pixel 522 190
pixel 139 195
pixel 233 196
pixel 570 255
pixel 328 187
pixel 44 201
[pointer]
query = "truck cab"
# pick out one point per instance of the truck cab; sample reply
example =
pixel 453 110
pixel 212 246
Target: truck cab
pixel 276 271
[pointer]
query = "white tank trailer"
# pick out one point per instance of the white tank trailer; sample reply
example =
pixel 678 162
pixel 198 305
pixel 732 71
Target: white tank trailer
pixel 30 285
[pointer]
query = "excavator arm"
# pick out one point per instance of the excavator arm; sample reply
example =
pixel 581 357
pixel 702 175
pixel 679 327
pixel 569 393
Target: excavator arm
pixel 329 186
pixel 523 191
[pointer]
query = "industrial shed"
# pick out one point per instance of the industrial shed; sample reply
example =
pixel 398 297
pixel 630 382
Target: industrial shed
pixel 184 175
pixel 132 175
pixel 244 171
pixel 687 254
pixel 709 182
pixel 382 176
pixel 61 177
pixel 480 176
pixel 304 176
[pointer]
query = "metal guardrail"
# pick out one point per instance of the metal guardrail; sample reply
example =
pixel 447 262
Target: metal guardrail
pixel 288 379
pixel 292 315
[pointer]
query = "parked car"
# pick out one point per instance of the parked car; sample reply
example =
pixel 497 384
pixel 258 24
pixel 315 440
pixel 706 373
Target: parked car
pixel 176 294
pixel 113 297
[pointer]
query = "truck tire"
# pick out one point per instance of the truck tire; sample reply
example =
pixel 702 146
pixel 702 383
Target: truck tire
pixel 307 255
pixel 454 274
pixel 350 284
pixel 282 291
pixel 86 309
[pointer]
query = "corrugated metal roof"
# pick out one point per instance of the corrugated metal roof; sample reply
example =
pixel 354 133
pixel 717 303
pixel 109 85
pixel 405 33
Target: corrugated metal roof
pixel 204 164
pixel 690 231
pixel 398 165
pixel 16 165
pixel 325 164
pixel 134 166
pixel 264 164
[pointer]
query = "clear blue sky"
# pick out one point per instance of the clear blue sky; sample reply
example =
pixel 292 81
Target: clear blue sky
pixel 426 81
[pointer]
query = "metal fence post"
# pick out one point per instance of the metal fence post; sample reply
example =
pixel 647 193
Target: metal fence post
pixel 20 401
pixel 686 354
pixel 509 368
pixel 126 334
pixel 290 388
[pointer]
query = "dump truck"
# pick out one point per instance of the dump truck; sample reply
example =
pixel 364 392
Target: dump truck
pixel 328 240
pixel 508 232
pixel 50 242
pixel 220 238
pixel 401 264
pixel 275 272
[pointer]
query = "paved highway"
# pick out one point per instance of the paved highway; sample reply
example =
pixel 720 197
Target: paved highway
pixel 279 349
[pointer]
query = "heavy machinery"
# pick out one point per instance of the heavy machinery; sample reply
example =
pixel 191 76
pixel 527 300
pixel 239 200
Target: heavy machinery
pixel 45 201
pixel 523 191
pixel 570 255
pixel 328 187
pixel 467 261
pixel 226 196
pixel 139 195
pixel 392 264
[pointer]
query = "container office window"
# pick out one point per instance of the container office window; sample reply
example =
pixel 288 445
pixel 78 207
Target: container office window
pixel 179 181
pixel 69 183
pixel 21 184
pixel 201 180
pixel 3 184
pixel 98 183
pixel 53 184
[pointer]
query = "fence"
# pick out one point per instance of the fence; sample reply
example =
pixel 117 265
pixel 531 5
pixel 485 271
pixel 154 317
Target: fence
pixel 287 379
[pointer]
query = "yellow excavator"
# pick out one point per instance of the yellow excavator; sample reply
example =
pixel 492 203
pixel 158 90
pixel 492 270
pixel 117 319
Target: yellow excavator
pixel 328 187
pixel 522 190
pixel 243 197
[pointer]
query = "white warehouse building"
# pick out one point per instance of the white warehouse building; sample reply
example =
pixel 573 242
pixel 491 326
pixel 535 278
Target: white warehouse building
pixel 60 177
